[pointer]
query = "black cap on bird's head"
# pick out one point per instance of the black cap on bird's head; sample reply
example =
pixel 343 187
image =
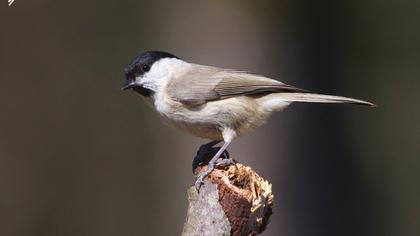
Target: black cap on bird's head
pixel 139 66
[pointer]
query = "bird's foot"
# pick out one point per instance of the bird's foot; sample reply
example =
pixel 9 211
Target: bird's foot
pixel 199 182
pixel 200 177
pixel 225 162
pixel 218 157
pixel 220 163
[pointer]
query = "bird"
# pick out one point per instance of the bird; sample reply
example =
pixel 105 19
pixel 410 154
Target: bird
pixel 211 102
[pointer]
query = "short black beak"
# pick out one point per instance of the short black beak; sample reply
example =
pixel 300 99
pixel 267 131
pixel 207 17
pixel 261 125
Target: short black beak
pixel 128 84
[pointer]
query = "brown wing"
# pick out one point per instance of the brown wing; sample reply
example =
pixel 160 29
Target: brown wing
pixel 201 84
pixel 247 84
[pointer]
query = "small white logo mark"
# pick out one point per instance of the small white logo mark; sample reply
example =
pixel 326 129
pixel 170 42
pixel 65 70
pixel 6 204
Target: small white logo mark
pixel 10 2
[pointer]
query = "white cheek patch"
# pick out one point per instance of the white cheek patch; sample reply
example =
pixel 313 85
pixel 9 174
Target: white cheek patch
pixel 158 75
pixel 150 86
pixel 148 80
pixel 158 70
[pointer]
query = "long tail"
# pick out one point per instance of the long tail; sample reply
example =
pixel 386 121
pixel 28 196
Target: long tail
pixel 279 101
pixel 322 98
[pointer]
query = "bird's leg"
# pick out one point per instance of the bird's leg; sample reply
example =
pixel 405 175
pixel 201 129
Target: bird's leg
pixel 206 152
pixel 210 167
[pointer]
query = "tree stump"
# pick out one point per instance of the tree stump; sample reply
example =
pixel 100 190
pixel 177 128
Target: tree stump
pixel 233 201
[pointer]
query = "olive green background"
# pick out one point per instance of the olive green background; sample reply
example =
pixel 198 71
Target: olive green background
pixel 79 157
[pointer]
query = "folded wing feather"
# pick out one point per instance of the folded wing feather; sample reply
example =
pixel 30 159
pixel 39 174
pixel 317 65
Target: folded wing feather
pixel 211 83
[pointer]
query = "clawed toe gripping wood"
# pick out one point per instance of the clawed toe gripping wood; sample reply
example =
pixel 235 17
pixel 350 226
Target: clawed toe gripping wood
pixel 233 201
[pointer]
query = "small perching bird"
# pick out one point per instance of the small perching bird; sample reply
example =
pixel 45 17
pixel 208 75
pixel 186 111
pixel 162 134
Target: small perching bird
pixel 210 102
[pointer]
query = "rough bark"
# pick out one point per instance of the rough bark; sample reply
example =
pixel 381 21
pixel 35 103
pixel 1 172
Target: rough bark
pixel 233 201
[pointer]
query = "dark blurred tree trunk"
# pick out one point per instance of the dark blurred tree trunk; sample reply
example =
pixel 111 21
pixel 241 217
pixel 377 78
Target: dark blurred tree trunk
pixel 325 176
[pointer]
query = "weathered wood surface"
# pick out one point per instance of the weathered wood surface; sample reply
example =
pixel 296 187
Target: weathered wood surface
pixel 233 201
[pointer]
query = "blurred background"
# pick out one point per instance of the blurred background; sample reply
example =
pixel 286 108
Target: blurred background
pixel 79 157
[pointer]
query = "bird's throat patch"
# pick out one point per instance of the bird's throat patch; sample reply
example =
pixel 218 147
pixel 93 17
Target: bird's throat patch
pixel 143 91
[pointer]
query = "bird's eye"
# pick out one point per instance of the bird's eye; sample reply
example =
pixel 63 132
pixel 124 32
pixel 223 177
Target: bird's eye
pixel 146 67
